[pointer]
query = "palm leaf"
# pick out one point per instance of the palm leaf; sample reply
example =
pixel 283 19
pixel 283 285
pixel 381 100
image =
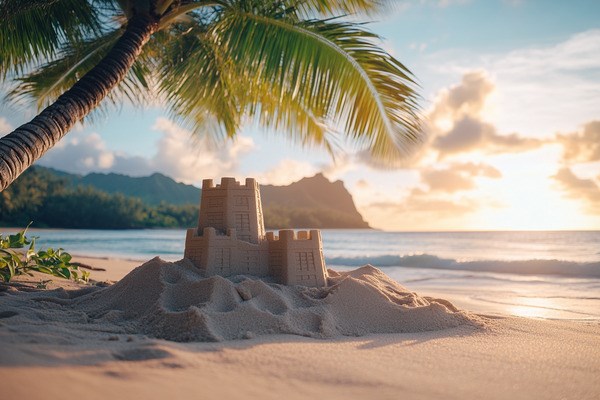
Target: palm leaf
pixel 35 30
pixel 209 94
pixel 333 66
pixel 196 82
pixel 334 7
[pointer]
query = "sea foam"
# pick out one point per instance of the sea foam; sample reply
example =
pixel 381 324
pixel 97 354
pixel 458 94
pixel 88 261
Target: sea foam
pixel 525 267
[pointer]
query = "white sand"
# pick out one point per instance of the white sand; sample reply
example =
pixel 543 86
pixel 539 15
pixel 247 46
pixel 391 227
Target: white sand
pixel 64 344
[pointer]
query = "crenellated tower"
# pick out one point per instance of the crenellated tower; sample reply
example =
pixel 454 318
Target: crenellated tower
pixel 230 239
pixel 232 205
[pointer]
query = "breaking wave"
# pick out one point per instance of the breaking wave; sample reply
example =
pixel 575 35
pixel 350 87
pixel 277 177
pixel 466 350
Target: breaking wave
pixel 428 261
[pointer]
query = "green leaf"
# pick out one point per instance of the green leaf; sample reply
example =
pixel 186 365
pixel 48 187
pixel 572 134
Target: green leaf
pixel 50 261
pixel 65 272
pixel 334 68
pixel 65 258
pixel 35 30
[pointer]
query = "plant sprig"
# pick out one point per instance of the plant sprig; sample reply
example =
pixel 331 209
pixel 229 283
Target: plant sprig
pixel 14 262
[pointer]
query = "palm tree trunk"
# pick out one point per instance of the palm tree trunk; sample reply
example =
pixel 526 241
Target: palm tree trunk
pixel 22 147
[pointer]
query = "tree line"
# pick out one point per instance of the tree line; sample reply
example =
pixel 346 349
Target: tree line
pixel 49 201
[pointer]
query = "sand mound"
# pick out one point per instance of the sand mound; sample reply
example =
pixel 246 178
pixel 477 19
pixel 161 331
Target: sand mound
pixel 174 301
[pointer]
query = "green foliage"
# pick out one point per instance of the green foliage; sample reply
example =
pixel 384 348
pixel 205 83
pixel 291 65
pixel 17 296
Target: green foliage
pixel 14 262
pixel 35 30
pixel 293 66
pixel 50 201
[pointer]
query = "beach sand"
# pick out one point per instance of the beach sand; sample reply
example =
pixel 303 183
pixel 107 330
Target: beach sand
pixel 50 354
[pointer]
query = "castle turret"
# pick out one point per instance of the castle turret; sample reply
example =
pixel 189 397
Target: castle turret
pixel 230 239
pixel 297 259
pixel 232 205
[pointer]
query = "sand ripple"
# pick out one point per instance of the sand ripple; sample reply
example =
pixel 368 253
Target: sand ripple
pixel 175 301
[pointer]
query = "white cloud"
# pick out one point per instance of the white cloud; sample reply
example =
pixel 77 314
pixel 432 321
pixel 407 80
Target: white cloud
pixel 538 90
pixel 81 154
pixel 189 160
pixel 5 127
pixel 578 53
pixel 177 155
pixel 285 172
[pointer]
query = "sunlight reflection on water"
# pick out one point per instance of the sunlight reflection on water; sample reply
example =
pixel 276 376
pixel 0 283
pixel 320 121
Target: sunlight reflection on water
pixel 536 307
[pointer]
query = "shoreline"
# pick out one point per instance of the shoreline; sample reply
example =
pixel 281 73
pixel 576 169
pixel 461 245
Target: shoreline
pixel 506 358
pixel 115 268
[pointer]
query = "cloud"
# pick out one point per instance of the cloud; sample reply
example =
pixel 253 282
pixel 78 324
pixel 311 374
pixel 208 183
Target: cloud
pixel 585 190
pixel 285 172
pixel 436 201
pixel 5 127
pixel 177 155
pixel 582 146
pixel 466 98
pixel 538 90
pixel 457 125
pixel 362 184
pixel 457 177
pixel 342 164
pixel 453 126
pixel 480 169
pixel 420 211
pixel 186 160
pixel 578 53
pixel 288 170
pixel 82 154
pixel 470 134
pixel 434 207
pixel 447 181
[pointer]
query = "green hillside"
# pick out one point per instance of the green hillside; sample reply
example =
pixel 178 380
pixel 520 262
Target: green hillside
pixel 58 199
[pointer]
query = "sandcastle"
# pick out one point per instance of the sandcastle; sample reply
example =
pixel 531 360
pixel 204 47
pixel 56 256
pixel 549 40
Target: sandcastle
pixel 231 240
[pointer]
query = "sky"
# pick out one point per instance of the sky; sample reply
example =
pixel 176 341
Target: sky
pixel 511 100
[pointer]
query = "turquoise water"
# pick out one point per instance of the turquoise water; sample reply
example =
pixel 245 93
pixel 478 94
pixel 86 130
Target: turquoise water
pixel 353 247
pixel 532 274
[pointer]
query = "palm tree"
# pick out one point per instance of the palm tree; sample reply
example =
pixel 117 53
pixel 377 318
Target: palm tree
pixel 287 63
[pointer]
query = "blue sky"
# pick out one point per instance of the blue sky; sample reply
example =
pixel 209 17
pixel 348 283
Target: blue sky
pixel 516 151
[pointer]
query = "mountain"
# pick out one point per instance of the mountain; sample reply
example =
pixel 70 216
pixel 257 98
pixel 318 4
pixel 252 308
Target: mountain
pixel 153 190
pixel 313 202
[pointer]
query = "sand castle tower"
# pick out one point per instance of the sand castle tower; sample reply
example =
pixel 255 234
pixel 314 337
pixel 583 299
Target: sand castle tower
pixel 231 239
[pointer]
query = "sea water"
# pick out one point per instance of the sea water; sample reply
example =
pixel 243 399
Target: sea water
pixel 533 274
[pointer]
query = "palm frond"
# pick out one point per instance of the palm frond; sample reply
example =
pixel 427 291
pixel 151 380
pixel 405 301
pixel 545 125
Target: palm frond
pixel 333 66
pixel 208 93
pixel 196 82
pixel 35 30
pixel 287 114
pixel 335 7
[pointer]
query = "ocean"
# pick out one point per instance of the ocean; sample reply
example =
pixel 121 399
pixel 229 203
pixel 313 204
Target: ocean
pixel 552 275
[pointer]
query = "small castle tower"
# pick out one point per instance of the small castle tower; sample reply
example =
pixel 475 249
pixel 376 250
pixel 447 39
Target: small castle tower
pixel 231 205
pixel 231 240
